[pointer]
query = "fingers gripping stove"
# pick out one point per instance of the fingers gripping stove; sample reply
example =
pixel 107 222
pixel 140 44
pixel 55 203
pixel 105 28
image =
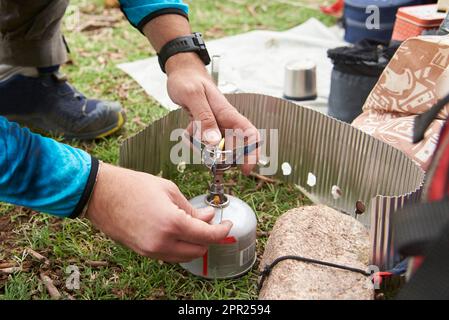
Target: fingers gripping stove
pixel 140 12
pixel 42 174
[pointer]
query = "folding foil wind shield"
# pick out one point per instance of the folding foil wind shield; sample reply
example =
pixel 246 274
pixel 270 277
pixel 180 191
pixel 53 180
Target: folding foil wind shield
pixel 330 161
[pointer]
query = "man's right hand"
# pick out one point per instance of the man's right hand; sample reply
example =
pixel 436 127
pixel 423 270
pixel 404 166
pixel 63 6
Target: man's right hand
pixel 151 216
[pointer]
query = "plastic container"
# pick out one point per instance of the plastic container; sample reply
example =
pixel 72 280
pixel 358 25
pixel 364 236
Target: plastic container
pixel 356 15
pixel 356 71
pixel 413 21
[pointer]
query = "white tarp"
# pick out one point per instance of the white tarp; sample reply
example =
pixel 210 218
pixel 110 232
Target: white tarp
pixel 254 62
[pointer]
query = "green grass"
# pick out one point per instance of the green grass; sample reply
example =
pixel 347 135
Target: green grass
pixel 92 69
pixel 129 276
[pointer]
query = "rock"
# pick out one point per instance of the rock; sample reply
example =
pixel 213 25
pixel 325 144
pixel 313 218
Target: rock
pixel 321 233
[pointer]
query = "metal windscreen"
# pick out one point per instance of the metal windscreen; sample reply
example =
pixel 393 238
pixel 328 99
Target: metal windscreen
pixel 351 171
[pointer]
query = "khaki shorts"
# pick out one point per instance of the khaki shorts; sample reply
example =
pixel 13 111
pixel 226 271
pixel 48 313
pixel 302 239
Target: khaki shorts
pixel 30 32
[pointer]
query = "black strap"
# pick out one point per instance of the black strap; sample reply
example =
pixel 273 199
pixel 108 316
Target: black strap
pixel 268 268
pixel 423 121
pixel 190 43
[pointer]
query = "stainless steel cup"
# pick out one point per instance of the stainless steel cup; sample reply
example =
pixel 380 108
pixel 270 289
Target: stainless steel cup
pixel 300 80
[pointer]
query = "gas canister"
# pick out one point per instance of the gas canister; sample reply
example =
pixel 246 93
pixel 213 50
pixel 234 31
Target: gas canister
pixel 236 254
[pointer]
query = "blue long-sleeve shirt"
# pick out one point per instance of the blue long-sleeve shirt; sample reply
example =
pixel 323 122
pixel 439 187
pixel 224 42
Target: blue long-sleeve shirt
pixel 52 177
pixel 40 173
pixel 139 12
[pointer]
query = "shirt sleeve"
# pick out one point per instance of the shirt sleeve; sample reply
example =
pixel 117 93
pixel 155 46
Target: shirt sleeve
pixel 140 12
pixel 42 174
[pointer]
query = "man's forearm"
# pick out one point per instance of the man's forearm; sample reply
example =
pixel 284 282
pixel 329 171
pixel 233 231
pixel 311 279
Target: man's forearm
pixel 162 21
pixel 165 28
pixel 189 85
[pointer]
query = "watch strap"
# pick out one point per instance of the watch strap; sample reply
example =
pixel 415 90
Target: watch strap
pixel 190 43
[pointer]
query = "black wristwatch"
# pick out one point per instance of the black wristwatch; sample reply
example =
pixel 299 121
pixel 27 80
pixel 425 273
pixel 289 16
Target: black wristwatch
pixel 191 43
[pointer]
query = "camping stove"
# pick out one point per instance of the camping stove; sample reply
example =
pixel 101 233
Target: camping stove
pixel 236 254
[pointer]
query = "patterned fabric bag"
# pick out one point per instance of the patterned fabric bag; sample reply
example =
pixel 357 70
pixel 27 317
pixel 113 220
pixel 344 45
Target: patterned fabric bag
pixel 414 80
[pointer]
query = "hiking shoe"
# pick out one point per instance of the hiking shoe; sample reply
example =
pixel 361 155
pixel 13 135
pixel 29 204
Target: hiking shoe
pixel 48 104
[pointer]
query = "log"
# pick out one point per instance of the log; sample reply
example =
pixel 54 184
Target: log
pixel 321 233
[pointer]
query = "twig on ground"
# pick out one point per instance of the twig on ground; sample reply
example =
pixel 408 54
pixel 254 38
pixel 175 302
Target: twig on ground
pixel 252 10
pixel 263 233
pixel 138 121
pixel 260 185
pixel 238 2
pixel 70 297
pixel 299 5
pixel 263 178
pixel 10 270
pixel 94 22
pixel 92 263
pixel 37 256
pixel 51 289
pixel 4 265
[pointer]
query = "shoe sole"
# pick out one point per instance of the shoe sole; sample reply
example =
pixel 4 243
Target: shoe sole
pixel 121 122
pixel 101 133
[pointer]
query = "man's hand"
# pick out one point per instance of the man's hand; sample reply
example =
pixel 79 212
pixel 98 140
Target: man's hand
pixel 190 86
pixel 150 216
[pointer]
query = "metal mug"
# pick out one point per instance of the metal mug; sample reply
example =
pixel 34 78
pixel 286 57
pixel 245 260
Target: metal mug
pixel 300 80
